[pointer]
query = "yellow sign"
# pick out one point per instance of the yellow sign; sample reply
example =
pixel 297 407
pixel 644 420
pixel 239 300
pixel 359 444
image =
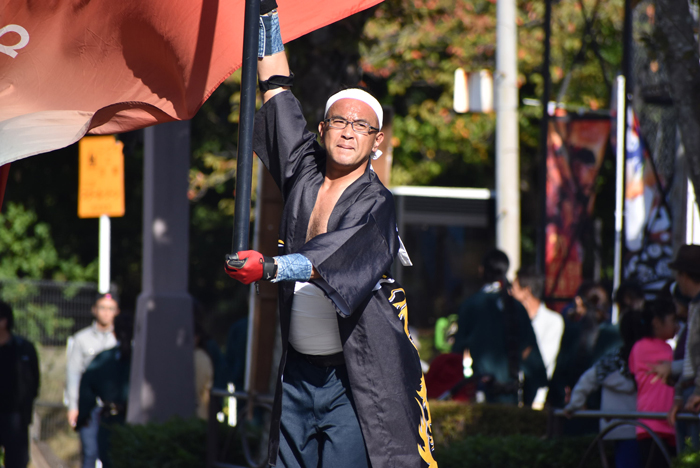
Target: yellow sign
pixel 101 179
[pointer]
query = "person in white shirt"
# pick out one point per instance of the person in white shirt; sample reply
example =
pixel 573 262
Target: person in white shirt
pixel 82 348
pixel 548 325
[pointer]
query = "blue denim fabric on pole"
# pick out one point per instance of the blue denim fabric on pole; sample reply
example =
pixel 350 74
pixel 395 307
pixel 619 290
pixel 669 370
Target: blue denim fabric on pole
pixel 270 39
pixel 293 267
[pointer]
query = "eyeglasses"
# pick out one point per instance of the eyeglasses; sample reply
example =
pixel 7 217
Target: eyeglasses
pixel 358 126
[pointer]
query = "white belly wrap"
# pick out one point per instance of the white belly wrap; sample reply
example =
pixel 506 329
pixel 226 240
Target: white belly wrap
pixel 314 324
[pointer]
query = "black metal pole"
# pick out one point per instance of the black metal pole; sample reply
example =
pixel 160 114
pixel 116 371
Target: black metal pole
pixel 544 130
pixel 244 171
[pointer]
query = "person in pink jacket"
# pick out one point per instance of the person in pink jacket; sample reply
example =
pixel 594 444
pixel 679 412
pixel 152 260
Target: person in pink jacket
pixel 657 325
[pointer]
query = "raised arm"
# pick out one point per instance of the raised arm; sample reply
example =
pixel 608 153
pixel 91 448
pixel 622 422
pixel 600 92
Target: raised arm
pixel 273 65
pixel 272 61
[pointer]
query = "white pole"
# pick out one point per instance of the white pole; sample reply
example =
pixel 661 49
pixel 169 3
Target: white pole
pixel 692 231
pixel 507 135
pixel 619 187
pixel 105 252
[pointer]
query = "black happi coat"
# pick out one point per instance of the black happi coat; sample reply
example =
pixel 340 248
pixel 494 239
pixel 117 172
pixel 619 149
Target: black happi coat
pixel 352 257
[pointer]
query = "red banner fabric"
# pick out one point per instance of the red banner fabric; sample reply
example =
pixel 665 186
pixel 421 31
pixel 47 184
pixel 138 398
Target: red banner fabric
pixel 575 150
pixel 70 67
pixel 4 173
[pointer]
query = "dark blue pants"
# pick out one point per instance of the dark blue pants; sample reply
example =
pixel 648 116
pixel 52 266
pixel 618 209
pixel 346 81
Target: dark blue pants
pixel 14 437
pixel 89 450
pixel 319 427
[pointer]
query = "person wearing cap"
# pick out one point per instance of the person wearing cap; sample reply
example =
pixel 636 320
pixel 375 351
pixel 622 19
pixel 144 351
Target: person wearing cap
pixel 687 267
pixel 82 349
pixel 350 390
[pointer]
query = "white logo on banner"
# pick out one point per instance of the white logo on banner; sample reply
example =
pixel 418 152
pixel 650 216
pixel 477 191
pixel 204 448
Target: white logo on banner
pixel 11 50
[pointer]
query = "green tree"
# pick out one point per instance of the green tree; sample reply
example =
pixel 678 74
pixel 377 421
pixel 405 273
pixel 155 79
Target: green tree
pixel 411 48
pixel 28 253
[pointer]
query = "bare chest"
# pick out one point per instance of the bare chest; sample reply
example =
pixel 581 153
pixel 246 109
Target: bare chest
pixel 325 202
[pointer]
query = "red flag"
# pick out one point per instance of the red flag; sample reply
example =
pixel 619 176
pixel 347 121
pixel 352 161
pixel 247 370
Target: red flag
pixel 71 67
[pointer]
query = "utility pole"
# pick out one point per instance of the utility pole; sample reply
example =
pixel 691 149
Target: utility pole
pixel 162 364
pixel 507 135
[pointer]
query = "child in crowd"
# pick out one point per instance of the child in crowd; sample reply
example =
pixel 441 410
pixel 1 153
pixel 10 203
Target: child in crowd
pixel 657 324
pixel 619 392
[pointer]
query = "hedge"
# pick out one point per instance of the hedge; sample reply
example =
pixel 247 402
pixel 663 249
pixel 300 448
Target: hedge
pixel 453 421
pixel 478 436
pixel 511 451
pixel 178 443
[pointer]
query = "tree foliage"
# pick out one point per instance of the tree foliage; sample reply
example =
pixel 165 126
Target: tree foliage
pixel 29 253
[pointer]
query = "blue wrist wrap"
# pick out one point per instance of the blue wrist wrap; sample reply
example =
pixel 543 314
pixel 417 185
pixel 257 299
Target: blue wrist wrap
pixel 293 267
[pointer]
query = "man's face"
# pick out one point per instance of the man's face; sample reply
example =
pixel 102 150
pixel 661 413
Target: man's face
pixel 105 310
pixel 519 293
pixel 684 285
pixel 347 148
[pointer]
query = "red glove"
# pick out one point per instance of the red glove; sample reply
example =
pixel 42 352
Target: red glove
pixel 249 266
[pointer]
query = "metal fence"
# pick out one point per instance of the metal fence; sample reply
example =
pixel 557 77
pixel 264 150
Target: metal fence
pixel 617 419
pixel 47 313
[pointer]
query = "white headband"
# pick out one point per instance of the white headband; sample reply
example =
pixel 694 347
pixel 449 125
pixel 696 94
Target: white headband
pixel 360 95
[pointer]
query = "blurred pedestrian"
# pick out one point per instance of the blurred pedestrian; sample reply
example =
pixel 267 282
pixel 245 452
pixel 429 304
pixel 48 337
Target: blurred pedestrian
pixel 203 372
pixel 589 321
pixel 629 296
pixel 236 348
pixel 687 392
pixel 210 345
pixel 548 325
pixel 657 324
pixel 82 349
pixel 19 386
pixel 495 332
pixel 107 379
pixel 619 392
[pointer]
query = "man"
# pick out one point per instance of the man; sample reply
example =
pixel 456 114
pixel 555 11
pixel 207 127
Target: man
pixel 548 325
pixel 687 266
pixel 107 378
pixel 495 332
pixel 350 390
pixel 82 348
pixel 19 386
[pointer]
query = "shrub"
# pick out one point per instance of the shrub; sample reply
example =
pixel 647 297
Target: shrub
pixel 178 443
pixel 482 451
pixel 452 421
pixel 687 459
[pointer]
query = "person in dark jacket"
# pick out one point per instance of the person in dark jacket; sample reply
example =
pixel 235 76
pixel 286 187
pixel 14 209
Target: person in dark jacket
pixel 19 386
pixel 107 378
pixel 495 332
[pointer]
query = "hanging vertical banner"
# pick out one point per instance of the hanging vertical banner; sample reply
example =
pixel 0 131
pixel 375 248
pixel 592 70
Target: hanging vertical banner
pixel 575 149
pixel 648 221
